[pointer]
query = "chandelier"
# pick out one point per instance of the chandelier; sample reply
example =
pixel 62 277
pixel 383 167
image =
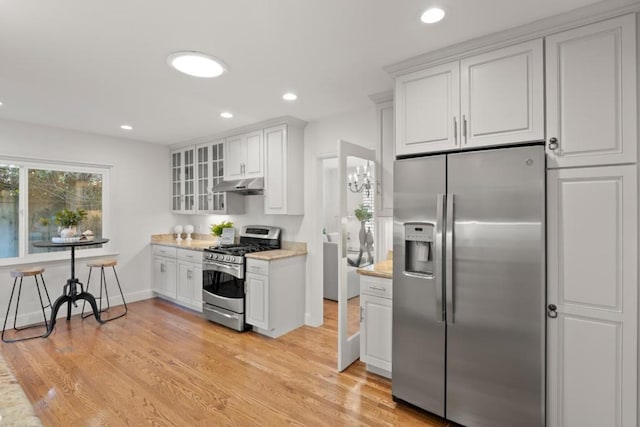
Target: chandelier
pixel 361 180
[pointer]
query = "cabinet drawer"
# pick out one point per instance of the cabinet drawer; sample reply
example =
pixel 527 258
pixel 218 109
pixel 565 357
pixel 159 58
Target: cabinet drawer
pixel 189 255
pixel 167 251
pixel 257 266
pixel 376 286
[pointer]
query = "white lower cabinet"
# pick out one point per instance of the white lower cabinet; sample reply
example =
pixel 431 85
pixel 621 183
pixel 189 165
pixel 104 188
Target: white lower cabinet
pixel 164 271
pixel 275 295
pixel 189 286
pixel 177 275
pixel 258 300
pixel 592 311
pixel 376 324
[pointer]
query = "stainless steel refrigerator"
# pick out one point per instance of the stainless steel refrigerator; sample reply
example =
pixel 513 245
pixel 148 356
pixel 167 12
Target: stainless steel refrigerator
pixel 469 286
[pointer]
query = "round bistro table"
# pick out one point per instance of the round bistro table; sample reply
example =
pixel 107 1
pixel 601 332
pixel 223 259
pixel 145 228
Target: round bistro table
pixel 73 290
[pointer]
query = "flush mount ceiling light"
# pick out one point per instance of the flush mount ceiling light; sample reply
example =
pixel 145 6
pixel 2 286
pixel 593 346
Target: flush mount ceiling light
pixel 433 15
pixel 226 115
pixel 126 127
pixel 196 64
pixel 289 96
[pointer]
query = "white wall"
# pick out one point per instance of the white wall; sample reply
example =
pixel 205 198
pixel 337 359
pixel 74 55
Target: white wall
pixel 139 201
pixel 254 215
pixel 330 197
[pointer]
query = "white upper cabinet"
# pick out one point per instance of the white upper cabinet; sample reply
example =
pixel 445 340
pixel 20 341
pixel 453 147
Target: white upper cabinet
pixel 427 107
pixel 495 98
pixel 591 94
pixel 183 185
pixel 244 156
pixel 284 170
pixel 233 148
pixel 273 149
pixel 253 164
pixel 502 96
pixel 385 153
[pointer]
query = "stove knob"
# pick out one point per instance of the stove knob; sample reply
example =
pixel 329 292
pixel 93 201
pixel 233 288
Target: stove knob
pixel 229 258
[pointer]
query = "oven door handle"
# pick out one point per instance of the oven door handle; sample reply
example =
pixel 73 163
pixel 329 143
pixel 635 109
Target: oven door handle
pixel 228 316
pixel 237 270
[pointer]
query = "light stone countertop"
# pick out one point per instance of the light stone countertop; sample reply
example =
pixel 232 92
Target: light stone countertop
pixel 199 242
pixel 383 269
pixel 202 241
pixel 276 254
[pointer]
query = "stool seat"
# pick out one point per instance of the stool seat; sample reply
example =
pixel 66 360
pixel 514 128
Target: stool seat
pixel 26 272
pixel 102 263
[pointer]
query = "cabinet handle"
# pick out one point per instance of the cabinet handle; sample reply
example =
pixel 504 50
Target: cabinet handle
pixel 455 131
pixel 378 288
pixel 464 127
pixel 553 144
pixel 161 268
pixel 189 274
pixel 552 313
pixel 361 315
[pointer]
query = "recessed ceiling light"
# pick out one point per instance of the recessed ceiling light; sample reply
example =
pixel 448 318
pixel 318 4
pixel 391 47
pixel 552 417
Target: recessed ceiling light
pixel 126 127
pixel 196 64
pixel 433 15
pixel 226 115
pixel 0 103
pixel 289 96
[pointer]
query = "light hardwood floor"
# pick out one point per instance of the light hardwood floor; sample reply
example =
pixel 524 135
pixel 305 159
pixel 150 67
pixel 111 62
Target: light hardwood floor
pixel 163 365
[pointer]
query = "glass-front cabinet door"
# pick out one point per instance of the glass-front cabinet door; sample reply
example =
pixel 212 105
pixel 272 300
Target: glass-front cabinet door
pixel 183 180
pixel 210 168
pixel 194 173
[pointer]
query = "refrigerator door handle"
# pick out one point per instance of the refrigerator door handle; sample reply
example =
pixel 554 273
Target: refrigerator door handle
pixel 437 269
pixel 449 260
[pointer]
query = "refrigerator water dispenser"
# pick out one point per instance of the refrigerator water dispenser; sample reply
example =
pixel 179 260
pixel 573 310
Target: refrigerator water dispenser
pixel 418 242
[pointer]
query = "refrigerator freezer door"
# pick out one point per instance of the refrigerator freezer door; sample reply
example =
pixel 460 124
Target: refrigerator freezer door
pixel 495 346
pixel 418 346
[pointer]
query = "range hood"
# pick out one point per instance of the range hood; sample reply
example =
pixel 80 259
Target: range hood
pixel 248 186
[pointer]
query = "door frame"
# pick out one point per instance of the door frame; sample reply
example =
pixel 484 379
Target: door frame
pixel 348 346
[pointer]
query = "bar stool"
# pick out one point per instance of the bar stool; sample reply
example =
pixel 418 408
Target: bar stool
pixel 22 273
pixel 102 263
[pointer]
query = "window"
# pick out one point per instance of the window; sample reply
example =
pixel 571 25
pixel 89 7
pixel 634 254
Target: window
pixel 9 210
pixel 31 193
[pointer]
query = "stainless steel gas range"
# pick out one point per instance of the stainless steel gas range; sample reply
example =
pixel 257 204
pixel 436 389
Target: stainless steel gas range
pixel 223 275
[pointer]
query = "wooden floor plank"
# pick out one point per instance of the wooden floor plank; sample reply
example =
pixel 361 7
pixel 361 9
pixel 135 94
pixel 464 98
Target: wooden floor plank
pixel 164 365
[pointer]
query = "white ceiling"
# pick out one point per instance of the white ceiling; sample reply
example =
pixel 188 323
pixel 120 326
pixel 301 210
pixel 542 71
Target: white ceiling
pixel 92 65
